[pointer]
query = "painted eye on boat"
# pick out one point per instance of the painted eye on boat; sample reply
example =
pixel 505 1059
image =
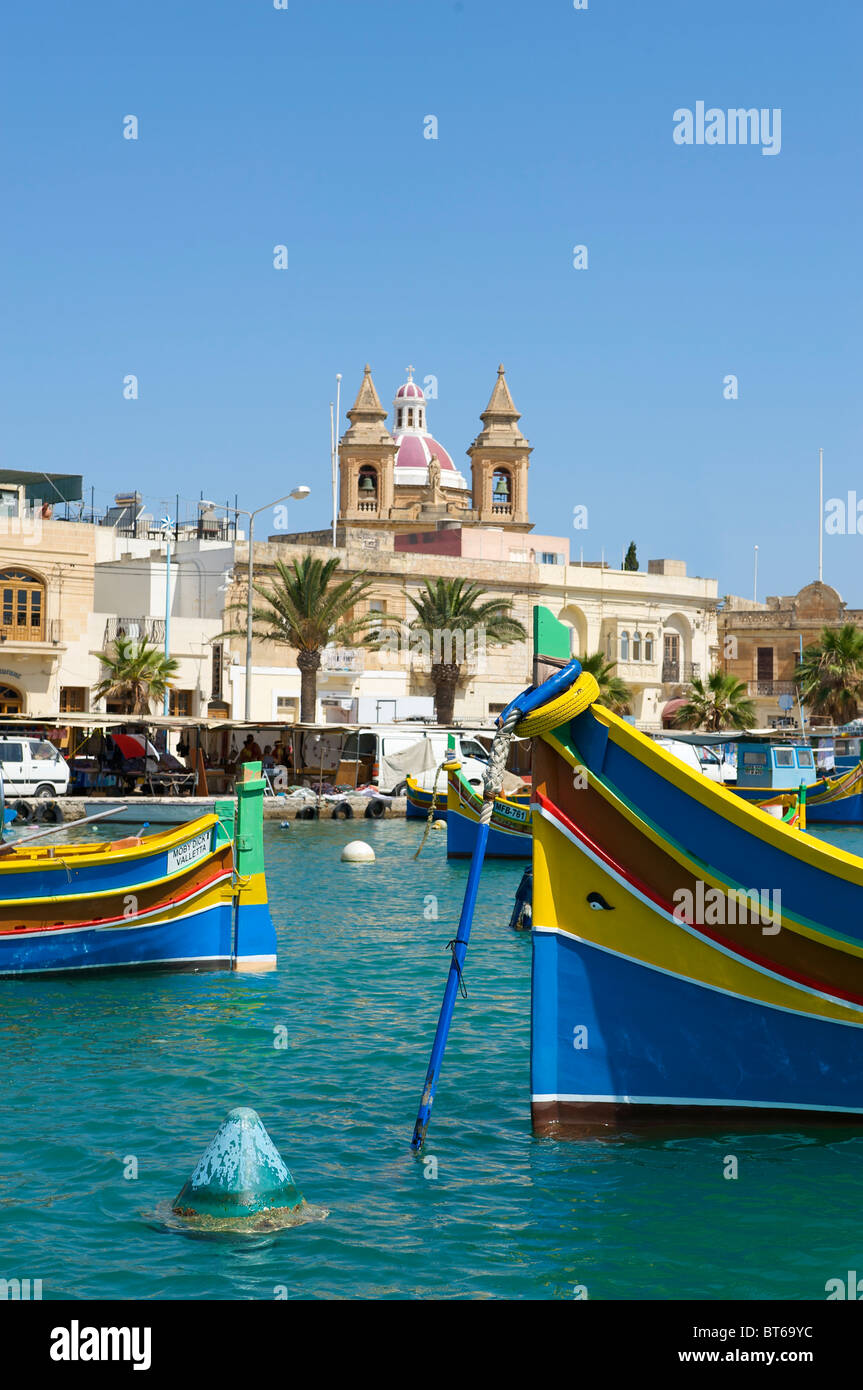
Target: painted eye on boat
pixel 598 903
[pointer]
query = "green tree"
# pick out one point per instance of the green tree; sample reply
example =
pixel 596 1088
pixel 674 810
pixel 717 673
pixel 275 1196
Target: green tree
pixel 454 616
pixel 614 693
pixel 830 674
pixel 631 559
pixel 306 605
pixel 135 674
pixel 720 702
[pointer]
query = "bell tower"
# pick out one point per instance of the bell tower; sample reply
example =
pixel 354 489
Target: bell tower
pixel 367 454
pixel 499 460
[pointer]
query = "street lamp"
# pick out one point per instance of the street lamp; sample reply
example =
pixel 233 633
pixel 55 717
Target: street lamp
pixel 299 494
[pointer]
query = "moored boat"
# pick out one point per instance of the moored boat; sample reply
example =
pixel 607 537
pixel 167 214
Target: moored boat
pixel 190 897
pixel 419 801
pixel 693 956
pixel 509 829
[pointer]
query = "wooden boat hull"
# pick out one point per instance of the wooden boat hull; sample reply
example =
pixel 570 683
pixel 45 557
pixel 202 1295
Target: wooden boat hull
pixel 193 897
pixel 418 802
pixel 509 832
pixel 691 955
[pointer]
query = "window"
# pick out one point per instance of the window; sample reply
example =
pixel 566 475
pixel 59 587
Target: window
pixel 548 557
pixel 286 708
pixel 783 757
pixel 44 751
pixel 410 419
pixel 181 702
pixel 73 699
pixel 401 416
pixel 22 606
pixel 10 700
pixel 624 646
pixel 470 748
pixel 804 757
pixel 11 753
pixel 648 647
pixel 636 646
pixel 765 663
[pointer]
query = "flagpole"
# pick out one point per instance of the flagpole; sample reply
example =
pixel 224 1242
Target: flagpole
pixel 333 449
pixel 820 515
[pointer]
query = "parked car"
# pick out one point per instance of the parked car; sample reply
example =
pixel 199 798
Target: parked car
pixel 367 756
pixel 32 767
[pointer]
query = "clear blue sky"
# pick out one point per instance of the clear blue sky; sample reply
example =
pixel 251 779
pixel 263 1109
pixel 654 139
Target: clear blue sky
pixel 305 127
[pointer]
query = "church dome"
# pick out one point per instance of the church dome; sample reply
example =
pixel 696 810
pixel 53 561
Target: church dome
pixel 415 446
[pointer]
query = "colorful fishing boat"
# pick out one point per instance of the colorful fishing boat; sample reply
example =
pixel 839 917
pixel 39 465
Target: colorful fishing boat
pixel 189 897
pixel 692 956
pixel 509 831
pixel 419 801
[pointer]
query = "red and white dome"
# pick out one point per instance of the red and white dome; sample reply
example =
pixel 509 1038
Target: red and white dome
pixel 410 391
pixel 416 447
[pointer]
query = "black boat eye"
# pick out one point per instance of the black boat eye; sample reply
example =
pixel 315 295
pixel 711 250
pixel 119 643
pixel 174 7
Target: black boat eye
pixel 598 903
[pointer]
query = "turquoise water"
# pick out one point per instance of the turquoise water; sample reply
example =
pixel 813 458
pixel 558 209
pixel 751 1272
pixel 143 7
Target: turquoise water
pixel 97 1072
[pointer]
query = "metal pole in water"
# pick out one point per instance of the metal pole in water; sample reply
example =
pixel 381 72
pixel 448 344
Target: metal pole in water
pixel 459 951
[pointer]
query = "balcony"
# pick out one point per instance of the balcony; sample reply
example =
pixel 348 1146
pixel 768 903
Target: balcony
pixel 23 639
pixel 135 629
pixel 671 671
pixel 350 660
pixel 770 688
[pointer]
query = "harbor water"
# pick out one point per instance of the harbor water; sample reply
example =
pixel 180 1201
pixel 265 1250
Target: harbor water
pixel 112 1087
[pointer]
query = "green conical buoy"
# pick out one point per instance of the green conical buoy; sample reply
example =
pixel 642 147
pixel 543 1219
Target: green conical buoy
pixel 240 1174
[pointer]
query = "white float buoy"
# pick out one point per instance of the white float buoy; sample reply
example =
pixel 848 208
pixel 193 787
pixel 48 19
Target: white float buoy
pixel 438 825
pixel 358 852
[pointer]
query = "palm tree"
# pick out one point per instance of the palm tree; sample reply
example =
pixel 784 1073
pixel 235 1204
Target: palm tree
pixel 614 693
pixel 718 703
pixel 830 674
pixel 453 616
pixel 135 675
pixel 306 605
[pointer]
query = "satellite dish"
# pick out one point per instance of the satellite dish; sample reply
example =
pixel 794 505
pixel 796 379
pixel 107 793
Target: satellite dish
pixel 785 702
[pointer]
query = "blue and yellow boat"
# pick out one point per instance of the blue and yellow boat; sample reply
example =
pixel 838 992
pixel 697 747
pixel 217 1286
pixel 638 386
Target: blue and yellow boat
pixel 419 801
pixel 509 831
pixel 692 955
pixel 189 897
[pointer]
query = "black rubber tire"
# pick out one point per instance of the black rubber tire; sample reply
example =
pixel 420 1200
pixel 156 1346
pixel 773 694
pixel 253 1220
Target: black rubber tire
pixel 49 812
pixel 400 790
pixel 344 810
pixel 25 811
pixel 375 810
pixel 44 792
pixel 308 813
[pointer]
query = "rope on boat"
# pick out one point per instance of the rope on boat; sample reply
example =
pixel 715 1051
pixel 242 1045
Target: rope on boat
pixel 431 815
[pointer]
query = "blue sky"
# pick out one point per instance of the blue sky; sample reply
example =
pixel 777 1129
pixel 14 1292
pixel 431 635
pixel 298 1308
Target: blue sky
pixel 305 127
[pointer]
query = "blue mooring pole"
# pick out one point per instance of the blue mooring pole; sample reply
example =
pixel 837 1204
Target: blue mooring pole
pixel 523 704
pixel 459 951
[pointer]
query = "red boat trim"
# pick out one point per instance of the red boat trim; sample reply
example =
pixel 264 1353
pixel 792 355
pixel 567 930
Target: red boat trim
pixel 555 813
pixel 124 920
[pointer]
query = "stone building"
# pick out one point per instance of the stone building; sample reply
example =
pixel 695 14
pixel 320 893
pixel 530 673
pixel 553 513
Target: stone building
pixel 760 643
pixel 407 514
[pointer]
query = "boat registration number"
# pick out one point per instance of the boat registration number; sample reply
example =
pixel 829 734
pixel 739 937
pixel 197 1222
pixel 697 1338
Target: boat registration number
pixel 189 853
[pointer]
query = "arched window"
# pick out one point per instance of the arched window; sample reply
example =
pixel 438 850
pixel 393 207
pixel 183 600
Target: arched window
pixel 501 490
pixel 636 646
pixel 367 489
pixel 22 606
pixel 648 647
pixel 10 700
pixel 624 646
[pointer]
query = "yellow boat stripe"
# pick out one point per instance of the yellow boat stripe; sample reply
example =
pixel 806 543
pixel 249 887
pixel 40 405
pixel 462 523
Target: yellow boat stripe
pixel 646 933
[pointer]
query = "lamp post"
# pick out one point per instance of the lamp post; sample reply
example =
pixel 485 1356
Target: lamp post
pixel 299 494
pixel 166 526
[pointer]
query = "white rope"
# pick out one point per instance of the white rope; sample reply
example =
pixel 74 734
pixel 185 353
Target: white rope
pixel 492 782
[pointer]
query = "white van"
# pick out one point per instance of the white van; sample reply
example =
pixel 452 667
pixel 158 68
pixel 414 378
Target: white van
pixel 711 762
pixel 365 755
pixel 32 767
